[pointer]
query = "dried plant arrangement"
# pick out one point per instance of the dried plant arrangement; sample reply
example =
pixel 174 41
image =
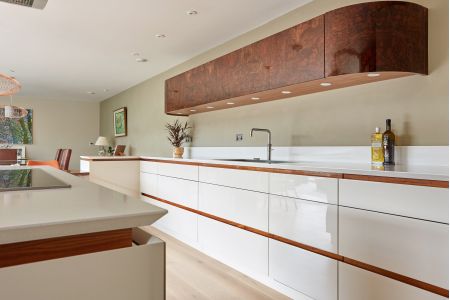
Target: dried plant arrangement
pixel 178 132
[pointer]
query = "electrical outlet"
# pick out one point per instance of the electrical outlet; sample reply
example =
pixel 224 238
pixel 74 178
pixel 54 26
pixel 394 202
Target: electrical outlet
pixel 188 139
pixel 239 137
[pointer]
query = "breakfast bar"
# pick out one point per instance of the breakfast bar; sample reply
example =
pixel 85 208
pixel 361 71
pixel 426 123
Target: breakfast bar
pixel 52 221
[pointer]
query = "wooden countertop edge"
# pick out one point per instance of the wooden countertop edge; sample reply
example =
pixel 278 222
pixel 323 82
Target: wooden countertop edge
pixel 380 271
pixel 374 178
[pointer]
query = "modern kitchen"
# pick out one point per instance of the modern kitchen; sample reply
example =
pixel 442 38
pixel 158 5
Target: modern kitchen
pixel 297 152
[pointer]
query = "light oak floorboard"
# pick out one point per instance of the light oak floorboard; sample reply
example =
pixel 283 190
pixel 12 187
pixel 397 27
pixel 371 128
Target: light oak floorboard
pixel 191 274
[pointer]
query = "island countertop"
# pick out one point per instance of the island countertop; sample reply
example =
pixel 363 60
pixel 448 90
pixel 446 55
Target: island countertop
pixel 83 208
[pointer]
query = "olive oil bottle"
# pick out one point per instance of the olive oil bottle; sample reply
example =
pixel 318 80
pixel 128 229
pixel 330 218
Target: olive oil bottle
pixel 377 147
pixel 389 144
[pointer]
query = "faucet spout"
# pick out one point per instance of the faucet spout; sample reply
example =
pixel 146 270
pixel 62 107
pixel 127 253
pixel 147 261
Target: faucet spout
pixel 269 141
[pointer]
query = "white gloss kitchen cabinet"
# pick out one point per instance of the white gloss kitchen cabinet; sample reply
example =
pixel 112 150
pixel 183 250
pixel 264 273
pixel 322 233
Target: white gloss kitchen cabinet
pixel 296 232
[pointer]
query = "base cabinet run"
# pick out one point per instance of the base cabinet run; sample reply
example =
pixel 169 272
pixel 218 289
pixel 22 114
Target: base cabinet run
pixel 384 225
pixel 357 284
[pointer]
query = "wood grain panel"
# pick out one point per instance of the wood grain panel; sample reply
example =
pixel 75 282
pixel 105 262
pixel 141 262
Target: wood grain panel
pixel 395 276
pixel 296 54
pixel 376 36
pixel 398 180
pixel 385 36
pixel 45 249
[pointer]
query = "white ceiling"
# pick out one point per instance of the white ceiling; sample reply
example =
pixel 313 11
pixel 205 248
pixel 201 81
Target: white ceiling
pixel 75 46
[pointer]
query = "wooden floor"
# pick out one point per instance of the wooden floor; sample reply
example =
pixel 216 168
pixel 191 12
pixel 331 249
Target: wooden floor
pixel 191 274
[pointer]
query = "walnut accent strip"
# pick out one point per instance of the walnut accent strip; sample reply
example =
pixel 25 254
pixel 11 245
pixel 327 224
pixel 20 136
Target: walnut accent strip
pixel 111 159
pixel 396 276
pixel 32 251
pixel 398 180
pixel 385 179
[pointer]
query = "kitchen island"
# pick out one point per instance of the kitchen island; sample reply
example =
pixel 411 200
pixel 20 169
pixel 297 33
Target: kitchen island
pixel 77 242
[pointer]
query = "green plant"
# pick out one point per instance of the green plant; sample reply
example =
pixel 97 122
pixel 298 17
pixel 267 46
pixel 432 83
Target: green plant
pixel 178 133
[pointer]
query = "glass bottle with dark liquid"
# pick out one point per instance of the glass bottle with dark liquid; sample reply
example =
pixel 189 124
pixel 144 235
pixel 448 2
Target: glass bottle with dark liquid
pixel 389 144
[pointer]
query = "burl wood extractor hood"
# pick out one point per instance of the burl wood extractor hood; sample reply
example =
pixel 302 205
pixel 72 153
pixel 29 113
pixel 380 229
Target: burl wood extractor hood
pixel 353 45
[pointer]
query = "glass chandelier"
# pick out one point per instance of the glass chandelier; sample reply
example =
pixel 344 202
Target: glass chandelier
pixel 8 87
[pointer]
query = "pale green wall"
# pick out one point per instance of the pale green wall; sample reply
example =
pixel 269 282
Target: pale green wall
pixel 61 124
pixel 417 105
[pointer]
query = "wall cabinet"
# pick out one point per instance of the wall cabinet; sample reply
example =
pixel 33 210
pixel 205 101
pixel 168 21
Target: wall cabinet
pixel 341 46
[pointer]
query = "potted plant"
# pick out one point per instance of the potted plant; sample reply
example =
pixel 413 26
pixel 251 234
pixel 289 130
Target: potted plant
pixel 178 133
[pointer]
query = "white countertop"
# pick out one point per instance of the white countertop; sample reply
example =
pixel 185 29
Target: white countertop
pixel 83 208
pixel 399 171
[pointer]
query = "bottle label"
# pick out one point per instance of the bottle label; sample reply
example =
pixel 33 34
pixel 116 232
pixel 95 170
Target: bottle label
pixel 388 145
pixel 376 145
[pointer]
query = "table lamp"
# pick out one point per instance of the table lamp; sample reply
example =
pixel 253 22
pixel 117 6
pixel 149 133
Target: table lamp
pixel 102 142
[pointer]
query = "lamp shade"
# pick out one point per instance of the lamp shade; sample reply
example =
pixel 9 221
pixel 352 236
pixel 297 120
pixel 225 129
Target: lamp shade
pixel 102 141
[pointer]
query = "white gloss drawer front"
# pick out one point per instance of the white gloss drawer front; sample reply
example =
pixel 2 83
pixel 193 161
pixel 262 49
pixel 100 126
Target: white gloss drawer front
pixel 314 188
pixel 358 284
pixel 311 223
pixel 308 273
pixel 149 167
pixel 428 203
pixel 180 191
pixel 189 172
pixel 243 179
pixel 149 184
pixel 411 247
pixel 242 250
pixel 241 206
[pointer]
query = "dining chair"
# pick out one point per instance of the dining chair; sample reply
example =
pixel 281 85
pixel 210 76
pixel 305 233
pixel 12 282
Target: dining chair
pixel 63 158
pixel 50 163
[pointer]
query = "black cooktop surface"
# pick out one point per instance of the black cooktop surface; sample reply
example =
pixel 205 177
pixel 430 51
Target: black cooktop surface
pixel 28 179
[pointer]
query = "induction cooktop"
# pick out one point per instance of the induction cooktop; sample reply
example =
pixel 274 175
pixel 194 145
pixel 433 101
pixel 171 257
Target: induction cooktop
pixel 28 179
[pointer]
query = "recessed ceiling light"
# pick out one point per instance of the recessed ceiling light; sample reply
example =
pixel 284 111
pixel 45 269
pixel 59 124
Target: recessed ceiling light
pixel 91 93
pixel 286 92
pixel 192 12
pixel 230 103
pixel 373 74
pixel 141 60
pixel 106 90
pixel 209 107
pixel 325 84
pixel 255 98
pixel 192 110
pixel 161 35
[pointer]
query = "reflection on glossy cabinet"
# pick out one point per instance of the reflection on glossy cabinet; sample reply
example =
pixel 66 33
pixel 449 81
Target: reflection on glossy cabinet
pixel 149 184
pixel 241 206
pixel 357 284
pixel 307 222
pixel 309 273
pixel 297 54
pixel 377 36
pixel 177 222
pixel 422 202
pixel 242 179
pixel 181 191
pixel 411 247
pixel 238 248
pixel 319 189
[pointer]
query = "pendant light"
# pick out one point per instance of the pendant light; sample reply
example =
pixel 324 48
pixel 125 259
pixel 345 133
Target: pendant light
pixel 8 87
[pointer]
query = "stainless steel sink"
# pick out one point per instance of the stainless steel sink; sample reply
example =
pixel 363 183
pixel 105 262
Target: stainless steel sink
pixel 257 161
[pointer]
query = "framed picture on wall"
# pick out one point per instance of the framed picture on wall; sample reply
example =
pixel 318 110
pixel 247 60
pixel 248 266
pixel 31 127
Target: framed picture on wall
pixel 120 122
